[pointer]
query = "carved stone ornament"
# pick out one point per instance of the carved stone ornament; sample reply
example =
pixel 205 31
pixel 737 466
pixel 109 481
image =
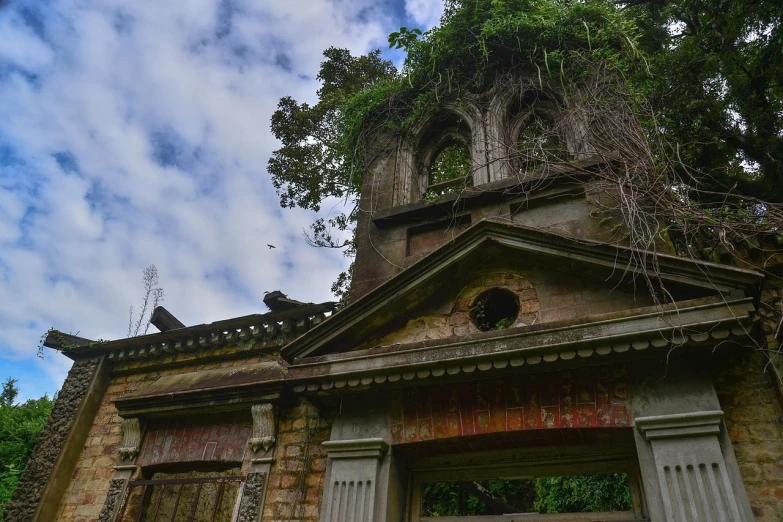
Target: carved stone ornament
pixel 131 438
pixel 263 426
pixel 116 487
pixel 252 495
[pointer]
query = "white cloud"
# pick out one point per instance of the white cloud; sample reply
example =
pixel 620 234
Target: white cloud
pixel 425 12
pixel 137 132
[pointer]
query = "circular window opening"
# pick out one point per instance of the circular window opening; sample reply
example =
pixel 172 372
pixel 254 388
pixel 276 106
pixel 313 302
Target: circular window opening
pixel 495 309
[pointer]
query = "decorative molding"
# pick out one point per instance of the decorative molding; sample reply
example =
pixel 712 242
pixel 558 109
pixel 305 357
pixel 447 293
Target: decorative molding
pixel 252 496
pixel 116 488
pixel 696 424
pixel 356 449
pixel 263 426
pixel 131 438
pixel 701 322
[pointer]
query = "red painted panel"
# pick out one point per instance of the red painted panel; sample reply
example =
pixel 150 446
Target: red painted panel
pixel 186 441
pixel 589 398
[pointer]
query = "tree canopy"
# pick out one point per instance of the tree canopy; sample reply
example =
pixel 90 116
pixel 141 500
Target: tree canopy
pixel 20 425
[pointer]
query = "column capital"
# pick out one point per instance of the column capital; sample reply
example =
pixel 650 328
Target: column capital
pixel 355 449
pixel 693 424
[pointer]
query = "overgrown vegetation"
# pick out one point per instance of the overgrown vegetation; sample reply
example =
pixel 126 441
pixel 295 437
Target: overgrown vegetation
pixel 20 425
pixel 687 92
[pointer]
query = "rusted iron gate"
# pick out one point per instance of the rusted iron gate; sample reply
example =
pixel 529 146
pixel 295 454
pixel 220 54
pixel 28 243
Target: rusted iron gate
pixel 150 494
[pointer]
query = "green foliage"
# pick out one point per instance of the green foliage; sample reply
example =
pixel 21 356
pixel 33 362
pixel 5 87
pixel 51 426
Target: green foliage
pixel 451 163
pixel 480 39
pixel 20 425
pixel 716 83
pixel 404 38
pixel 581 494
pixel 577 494
pixel 9 393
pixel 443 499
pixel 309 166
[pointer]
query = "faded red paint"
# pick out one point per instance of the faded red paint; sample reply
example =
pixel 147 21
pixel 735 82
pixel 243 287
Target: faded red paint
pixel 179 441
pixel 573 399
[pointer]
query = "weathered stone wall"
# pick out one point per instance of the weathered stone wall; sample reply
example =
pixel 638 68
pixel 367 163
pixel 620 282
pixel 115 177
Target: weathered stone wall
pixel 754 419
pixel 35 477
pixel 92 475
pixel 296 481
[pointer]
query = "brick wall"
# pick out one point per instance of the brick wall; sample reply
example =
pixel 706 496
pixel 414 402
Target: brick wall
pixel 296 480
pixel 89 485
pixel 755 424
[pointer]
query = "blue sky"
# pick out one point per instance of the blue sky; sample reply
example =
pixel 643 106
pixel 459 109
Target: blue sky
pixel 136 132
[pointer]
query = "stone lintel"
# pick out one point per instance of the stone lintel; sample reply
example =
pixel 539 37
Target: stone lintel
pixel 209 391
pixel 356 449
pixel 695 424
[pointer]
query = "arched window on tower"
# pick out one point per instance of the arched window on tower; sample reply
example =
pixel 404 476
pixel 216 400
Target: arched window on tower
pixel 449 169
pixel 445 157
pixel 538 143
pixel 534 132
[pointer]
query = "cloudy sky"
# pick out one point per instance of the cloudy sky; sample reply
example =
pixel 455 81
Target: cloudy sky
pixel 136 132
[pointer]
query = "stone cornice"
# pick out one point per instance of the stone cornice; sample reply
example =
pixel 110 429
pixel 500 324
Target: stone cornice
pixel 544 245
pixel 276 328
pixel 693 424
pixel 685 325
pixel 355 449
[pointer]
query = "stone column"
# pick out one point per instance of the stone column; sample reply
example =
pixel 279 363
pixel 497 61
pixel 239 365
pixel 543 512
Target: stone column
pixel 687 465
pixel 351 484
pixel 690 468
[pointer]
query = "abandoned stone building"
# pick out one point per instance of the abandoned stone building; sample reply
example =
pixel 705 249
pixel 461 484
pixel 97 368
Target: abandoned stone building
pixel 499 328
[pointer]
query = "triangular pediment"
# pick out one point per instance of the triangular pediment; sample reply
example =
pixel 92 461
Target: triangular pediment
pixel 554 279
